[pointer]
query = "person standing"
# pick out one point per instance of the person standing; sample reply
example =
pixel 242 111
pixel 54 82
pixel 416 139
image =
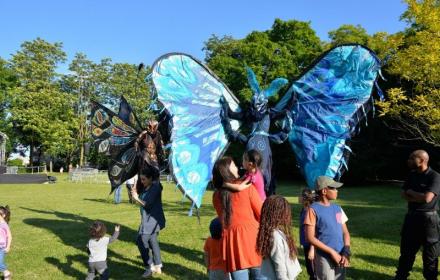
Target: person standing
pixel 130 183
pixel 326 230
pixel 421 223
pixel 239 213
pixel 148 194
pixel 117 196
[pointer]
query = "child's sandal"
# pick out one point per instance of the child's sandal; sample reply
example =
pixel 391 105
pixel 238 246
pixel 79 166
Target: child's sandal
pixel 7 276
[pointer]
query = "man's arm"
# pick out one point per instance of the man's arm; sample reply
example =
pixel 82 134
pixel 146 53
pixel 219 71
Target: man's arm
pixel 413 196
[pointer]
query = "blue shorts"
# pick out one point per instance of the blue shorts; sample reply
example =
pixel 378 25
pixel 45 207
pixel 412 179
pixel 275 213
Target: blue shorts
pixel 2 260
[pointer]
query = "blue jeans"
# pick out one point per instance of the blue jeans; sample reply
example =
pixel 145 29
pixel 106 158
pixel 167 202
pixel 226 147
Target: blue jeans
pixel 145 243
pixel 249 273
pixel 2 260
pixel 118 194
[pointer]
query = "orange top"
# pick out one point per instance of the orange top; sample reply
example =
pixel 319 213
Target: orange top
pixel 213 249
pixel 239 239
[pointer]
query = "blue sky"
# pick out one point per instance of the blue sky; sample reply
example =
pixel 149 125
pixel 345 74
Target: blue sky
pixel 137 31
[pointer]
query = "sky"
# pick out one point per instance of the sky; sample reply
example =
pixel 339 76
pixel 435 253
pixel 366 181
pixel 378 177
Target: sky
pixel 135 31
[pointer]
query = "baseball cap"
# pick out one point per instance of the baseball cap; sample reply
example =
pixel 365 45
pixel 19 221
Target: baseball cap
pixel 324 181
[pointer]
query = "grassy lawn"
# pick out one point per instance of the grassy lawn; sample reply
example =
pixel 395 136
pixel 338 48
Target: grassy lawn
pixel 50 229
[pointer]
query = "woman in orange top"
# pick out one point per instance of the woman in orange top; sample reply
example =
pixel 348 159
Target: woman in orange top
pixel 240 215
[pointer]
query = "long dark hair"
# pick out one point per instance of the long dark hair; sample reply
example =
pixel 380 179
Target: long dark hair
pixel 149 172
pixel 275 214
pixel 220 175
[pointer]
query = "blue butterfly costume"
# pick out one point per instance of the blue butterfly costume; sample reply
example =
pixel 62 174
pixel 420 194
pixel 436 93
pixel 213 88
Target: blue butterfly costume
pixel 320 112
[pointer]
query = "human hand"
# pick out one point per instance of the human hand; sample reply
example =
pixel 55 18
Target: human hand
pixel 117 227
pixel 311 255
pixel 336 257
pixel 345 262
pixel 7 249
pixel 134 194
pixel 245 184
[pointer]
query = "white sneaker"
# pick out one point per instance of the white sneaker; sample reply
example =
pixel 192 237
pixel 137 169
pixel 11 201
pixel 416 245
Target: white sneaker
pixel 147 273
pixel 156 269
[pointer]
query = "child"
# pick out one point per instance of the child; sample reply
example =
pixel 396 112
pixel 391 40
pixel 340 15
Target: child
pixel 5 240
pixel 275 242
pixel 327 232
pixel 97 248
pixel 306 199
pixel 213 255
pixel 251 163
pixel 149 195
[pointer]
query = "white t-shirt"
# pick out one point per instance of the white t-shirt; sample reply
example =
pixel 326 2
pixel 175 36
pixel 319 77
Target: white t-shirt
pixel 98 249
pixel 132 180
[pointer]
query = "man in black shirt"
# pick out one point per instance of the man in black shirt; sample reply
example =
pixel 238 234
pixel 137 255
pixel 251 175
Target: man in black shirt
pixel 421 224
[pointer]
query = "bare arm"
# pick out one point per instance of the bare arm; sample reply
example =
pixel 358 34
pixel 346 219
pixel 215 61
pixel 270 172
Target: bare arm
pixel 310 235
pixel 238 187
pixel 345 256
pixel 413 196
pixel 8 246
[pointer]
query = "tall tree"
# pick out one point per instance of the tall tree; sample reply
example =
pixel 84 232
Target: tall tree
pixel 414 104
pixel 8 80
pixel 40 112
pixel 282 51
pixel 348 33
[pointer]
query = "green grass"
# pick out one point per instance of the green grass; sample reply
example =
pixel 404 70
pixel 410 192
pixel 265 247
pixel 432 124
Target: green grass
pixel 50 229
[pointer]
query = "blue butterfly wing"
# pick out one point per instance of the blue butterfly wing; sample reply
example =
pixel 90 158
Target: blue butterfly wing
pixel 331 97
pixel 191 93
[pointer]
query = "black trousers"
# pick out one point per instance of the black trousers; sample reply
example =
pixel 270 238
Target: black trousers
pixel 419 230
pixel 309 264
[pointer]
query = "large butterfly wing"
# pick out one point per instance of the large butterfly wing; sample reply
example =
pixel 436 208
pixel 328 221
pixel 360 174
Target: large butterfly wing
pixel 114 137
pixel 191 93
pixel 331 97
pixel 127 114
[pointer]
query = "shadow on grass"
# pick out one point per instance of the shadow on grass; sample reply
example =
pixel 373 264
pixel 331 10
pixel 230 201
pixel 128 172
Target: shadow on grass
pixel 360 274
pixel 385 261
pixel 72 229
pixel 181 208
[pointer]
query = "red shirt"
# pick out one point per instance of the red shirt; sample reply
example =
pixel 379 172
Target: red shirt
pixel 213 249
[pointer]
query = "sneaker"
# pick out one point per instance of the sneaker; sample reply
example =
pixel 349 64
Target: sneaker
pixel 156 269
pixel 147 273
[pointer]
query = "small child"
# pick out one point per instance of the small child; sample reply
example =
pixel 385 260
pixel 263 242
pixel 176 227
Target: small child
pixel 275 242
pixel 213 255
pixel 97 248
pixel 306 199
pixel 251 163
pixel 5 240
pixel 327 232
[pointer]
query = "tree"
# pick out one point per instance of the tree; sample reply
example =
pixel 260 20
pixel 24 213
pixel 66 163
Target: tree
pixel 282 51
pixel 8 81
pixel 348 33
pixel 414 103
pixel 40 112
pixel 127 81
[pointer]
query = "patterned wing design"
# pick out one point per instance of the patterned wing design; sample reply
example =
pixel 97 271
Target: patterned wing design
pixel 330 99
pixel 115 137
pixel 190 92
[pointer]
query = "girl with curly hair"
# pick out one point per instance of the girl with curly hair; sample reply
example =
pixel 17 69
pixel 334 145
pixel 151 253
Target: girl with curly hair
pixel 275 242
